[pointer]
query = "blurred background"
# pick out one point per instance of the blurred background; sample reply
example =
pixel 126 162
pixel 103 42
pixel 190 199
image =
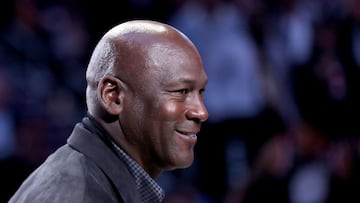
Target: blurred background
pixel 282 96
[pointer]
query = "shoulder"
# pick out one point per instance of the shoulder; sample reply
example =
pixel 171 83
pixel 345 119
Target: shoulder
pixel 66 176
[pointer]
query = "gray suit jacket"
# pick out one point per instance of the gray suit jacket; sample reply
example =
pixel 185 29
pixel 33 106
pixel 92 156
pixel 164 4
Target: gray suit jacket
pixel 86 169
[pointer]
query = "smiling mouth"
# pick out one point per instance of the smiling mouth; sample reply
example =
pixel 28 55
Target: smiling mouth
pixel 188 134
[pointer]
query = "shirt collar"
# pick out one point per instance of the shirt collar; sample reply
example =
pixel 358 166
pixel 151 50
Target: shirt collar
pixel 149 190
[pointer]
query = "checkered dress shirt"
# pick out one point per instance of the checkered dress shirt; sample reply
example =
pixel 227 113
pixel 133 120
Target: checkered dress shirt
pixel 149 190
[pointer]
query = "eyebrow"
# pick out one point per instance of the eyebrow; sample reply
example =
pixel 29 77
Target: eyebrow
pixel 186 80
pixel 179 81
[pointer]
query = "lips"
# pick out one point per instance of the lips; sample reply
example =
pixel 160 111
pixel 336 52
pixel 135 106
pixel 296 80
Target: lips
pixel 188 136
pixel 188 133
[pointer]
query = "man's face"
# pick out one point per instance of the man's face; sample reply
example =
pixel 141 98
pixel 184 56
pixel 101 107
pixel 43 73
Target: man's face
pixel 165 110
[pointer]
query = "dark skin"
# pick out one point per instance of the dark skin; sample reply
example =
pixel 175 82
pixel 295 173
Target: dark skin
pixel 145 85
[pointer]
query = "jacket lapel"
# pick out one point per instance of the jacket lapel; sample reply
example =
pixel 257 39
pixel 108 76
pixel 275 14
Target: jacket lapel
pixel 92 146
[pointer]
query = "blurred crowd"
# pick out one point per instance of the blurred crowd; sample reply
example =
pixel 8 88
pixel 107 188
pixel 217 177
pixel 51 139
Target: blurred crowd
pixel 282 96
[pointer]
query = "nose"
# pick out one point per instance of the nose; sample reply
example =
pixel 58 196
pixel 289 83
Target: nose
pixel 197 110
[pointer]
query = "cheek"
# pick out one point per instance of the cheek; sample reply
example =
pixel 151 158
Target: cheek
pixel 171 111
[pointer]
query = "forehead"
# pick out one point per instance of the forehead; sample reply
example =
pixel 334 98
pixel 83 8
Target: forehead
pixel 169 61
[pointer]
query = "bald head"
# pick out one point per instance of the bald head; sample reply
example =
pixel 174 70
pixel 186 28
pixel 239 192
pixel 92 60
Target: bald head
pixel 145 84
pixel 128 51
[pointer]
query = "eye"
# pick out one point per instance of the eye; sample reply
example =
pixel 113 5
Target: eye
pixel 183 91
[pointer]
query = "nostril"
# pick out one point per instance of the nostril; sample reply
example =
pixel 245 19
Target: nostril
pixel 197 120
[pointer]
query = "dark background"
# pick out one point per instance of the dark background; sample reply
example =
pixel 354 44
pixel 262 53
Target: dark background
pixel 283 93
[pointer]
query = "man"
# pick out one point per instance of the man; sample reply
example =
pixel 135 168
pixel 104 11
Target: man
pixel 144 98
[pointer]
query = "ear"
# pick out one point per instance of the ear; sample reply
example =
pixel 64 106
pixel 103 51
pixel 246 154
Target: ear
pixel 111 94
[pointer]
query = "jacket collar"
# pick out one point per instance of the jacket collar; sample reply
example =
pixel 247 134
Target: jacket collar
pixel 89 138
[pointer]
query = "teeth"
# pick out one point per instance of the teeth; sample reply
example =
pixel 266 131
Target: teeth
pixel 193 135
pixel 190 135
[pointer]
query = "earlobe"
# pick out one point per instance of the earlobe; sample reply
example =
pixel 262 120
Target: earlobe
pixel 110 94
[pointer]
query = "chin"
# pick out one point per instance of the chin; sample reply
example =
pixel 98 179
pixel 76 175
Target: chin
pixel 180 164
pixel 185 163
